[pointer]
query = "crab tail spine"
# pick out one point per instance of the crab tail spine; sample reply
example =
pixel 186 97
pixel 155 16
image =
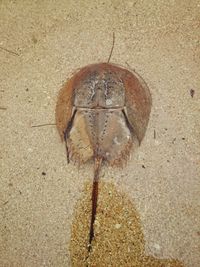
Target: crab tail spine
pixel 97 167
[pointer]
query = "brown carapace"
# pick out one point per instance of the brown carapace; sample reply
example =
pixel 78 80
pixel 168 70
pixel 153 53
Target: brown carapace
pixel 101 114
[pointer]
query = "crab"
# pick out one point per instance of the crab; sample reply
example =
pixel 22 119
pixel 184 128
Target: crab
pixel 102 115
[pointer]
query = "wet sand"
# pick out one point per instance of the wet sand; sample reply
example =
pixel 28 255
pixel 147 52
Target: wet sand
pixel 118 237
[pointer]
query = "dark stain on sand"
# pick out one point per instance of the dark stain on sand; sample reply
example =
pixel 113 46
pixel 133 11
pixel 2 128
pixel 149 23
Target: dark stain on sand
pixel 119 240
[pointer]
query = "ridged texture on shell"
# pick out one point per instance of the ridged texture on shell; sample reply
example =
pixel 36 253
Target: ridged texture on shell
pixel 112 107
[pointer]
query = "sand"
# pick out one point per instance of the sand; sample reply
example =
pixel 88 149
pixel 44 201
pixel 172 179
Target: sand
pixel 42 44
pixel 118 240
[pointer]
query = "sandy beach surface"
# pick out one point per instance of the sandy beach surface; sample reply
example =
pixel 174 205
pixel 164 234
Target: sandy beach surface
pixel 149 211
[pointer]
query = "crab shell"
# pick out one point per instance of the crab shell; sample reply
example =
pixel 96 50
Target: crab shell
pixel 103 112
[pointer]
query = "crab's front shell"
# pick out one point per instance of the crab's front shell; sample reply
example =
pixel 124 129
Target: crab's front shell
pixel 103 111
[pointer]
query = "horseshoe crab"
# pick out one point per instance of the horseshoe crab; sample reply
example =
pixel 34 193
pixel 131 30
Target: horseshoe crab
pixel 101 114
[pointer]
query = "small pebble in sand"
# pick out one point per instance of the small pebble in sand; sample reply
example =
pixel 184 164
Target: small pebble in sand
pixel 117 225
pixel 156 247
pixel 192 92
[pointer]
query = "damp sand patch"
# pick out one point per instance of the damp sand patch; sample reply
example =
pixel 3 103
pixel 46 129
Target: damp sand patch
pixel 119 240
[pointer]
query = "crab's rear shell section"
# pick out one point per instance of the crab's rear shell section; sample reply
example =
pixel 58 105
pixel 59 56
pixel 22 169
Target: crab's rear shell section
pixel 103 111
